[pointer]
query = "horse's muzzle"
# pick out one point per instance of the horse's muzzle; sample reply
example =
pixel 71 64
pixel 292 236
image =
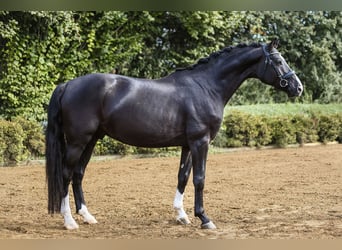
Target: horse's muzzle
pixel 295 87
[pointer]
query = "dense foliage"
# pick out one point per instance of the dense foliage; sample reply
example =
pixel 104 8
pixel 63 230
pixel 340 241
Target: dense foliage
pixel 245 129
pixel 41 49
pixel 20 140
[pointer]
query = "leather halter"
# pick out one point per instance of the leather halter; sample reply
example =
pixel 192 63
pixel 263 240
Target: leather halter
pixel 283 77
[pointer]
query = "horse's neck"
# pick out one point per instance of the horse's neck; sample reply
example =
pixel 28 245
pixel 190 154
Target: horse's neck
pixel 223 76
pixel 235 70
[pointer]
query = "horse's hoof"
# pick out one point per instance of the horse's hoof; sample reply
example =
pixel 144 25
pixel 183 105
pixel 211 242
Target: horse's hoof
pixel 90 220
pixel 183 221
pixel 209 225
pixel 71 226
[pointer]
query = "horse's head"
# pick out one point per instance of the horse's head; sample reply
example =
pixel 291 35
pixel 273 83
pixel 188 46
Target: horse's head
pixel 275 71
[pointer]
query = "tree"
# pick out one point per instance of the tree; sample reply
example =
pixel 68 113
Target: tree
pixel 32 52
pixel 311 42
pixel 40 49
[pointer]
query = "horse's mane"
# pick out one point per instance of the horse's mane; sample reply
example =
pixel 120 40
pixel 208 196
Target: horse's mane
pixel 218 53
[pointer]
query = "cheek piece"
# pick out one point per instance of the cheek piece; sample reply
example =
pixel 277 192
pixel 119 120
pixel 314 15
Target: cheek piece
pixel 283 77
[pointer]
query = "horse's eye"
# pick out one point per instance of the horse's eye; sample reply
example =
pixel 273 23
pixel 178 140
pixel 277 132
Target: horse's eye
pixel 279 62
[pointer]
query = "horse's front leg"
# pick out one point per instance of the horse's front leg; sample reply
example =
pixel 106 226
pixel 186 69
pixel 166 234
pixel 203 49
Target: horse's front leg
pixel 199 151
pixel 183 177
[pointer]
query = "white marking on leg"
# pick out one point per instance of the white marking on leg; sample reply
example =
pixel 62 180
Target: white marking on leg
pixel 87 217
pixel 182 217
pixel 69 222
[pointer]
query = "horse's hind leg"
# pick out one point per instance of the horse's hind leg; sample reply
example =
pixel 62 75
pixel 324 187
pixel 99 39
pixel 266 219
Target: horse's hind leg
pixel 77 182
pixel 77 154
pixel 73 153
pixel 183 177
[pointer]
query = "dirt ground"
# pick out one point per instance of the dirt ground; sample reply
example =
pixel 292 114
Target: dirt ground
pixel 271 193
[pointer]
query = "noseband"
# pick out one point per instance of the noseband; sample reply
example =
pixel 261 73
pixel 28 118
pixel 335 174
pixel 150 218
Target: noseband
pixel 283 78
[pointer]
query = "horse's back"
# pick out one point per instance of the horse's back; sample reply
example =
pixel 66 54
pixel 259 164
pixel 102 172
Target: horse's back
pixel 136 111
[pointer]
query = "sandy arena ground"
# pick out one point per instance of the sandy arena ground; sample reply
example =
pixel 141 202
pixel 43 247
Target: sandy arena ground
pixel 291 193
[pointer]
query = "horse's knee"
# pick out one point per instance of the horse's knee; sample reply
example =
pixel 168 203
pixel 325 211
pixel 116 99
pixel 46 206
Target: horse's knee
pixel 199 182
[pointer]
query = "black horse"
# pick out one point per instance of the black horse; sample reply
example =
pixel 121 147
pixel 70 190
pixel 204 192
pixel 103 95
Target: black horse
pixel 183 109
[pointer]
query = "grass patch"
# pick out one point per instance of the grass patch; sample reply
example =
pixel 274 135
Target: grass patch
pixel 286 109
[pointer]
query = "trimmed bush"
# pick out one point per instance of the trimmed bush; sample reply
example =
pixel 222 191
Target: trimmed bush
pixel 34 140
pixel 239 129
pixel 264 132
pixel 19 140
pixel 283 131
pixel 245 129
pixel 339 138
pixel 109 146
pixel 220 140
pixel 305 129
pixel 3 145
pixel 12 148
pixel 329 128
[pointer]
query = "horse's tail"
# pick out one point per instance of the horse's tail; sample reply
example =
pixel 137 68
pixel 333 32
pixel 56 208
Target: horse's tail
pixel 55 148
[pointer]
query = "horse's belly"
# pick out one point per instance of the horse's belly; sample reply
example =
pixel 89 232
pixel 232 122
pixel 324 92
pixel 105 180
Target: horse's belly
pixel 147 133
pixel 148 139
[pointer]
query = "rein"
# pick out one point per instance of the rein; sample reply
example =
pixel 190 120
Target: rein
pixel 283 78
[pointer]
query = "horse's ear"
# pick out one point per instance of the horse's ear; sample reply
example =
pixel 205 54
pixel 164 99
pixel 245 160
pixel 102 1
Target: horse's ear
pixel 273 44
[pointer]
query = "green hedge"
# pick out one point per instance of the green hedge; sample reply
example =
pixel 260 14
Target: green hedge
pixel 245 129
pixel 21 139
pixel 12 149
pixel 109 146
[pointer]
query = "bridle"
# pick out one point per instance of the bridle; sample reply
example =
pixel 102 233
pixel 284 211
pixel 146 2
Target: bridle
pixel 283 78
